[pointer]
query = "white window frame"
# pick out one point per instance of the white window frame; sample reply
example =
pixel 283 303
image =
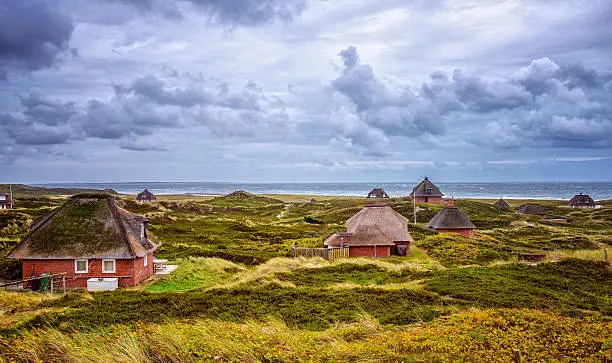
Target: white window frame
pixel 114 265
pixel 146 260
pixel 76 270
pixel 142 231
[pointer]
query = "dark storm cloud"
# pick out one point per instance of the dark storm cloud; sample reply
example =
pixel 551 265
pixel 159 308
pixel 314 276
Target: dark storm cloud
pixel 226 12
pixel 144 107
pixel 541 105
pixel 33 35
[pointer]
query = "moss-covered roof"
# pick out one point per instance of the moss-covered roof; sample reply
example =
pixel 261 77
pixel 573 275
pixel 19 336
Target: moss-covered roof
pixel 86 226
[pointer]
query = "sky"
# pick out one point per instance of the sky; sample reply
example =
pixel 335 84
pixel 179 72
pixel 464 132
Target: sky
pixel 305 90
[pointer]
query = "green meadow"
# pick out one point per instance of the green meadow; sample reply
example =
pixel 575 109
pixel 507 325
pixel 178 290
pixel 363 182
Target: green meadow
pixel 237 295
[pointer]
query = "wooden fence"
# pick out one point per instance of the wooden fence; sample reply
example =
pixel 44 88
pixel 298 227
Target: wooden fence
pixel 55 282
pixel 326 253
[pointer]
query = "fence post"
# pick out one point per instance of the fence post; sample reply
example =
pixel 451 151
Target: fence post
pixel 516 356
pixel 605 254
pixel 64 283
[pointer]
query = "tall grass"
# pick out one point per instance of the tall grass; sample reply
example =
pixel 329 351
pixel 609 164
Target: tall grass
pixel 477 335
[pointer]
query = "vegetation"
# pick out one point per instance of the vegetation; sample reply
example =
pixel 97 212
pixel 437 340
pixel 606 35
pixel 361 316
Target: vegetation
pixel 236 295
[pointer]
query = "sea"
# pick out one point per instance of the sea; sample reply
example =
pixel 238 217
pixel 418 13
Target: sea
pixel 515 190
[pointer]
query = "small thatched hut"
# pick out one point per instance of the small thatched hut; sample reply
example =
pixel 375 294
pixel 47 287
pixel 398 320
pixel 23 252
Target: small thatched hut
pixel 427 192
pixel 581 201
pixel 6 202
pixel 501 204
pixel 535 209
pixel 146 196
pixel 375 231
pixel 377 193
pixel 89 236
pixel 452 220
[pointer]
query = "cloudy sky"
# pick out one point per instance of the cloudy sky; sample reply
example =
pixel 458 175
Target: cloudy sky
pixel 305 90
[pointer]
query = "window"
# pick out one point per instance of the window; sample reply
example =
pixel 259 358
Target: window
pixel 143 231
pixel 146 260
pixel 108 266
pixel 80 266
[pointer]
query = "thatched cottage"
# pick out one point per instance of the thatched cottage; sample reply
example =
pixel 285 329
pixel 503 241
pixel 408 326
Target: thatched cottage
pixel 535 209
pixel 501 204
pixel 581 201
pixel 452 220
pixel 427 192
pixel 375 231
pixel 89 236
pixel 146 196
pixel 6 202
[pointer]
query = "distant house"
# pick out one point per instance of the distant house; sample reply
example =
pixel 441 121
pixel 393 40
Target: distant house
pixel 427 192
pixel 375 231
pixel 146 196
pixel 535 209
pixel 377 193
pixel 581 201
pixel 452 220
pixel 6 202
pixel 501 204
pixel 89 236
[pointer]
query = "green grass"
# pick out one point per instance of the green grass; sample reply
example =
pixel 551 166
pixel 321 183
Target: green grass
pixel 350 274
pixel 196 273
pixel 569 286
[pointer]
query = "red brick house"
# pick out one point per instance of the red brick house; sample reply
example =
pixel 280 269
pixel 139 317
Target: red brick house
pixel 427 192
pixel 6 202
pixel 581 201
pixel 451 220
pixel 375 231
pixel 89 236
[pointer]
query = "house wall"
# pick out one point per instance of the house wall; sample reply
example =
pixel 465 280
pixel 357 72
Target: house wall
pixel 429 199
pixel 129 271
pixel 368 251
pixel 465 232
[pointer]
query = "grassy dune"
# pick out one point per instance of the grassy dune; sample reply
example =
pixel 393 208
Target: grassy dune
pixel 237 295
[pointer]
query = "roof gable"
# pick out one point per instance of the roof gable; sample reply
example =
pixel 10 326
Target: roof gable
pixel 426 189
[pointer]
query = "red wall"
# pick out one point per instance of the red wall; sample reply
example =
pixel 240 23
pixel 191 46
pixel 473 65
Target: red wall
pixel 429 200
pixel 368 251
pixel 465 232
pixel 130 272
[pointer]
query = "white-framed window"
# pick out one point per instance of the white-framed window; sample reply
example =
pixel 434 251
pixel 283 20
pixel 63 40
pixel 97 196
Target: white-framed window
pixel 146 260
pixel 108 266
pixel 142 231
pixel 81 266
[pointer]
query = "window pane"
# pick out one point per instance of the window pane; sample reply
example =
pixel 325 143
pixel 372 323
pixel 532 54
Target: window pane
pixel 109 266
pixel 81 265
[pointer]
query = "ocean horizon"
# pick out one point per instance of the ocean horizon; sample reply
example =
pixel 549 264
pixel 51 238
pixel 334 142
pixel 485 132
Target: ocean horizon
pixel 489 190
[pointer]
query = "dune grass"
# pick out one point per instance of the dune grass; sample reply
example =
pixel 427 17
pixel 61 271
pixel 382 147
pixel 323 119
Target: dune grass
pixel 475 336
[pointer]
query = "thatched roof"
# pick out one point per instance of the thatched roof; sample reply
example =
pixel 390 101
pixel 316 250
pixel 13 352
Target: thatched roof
pixel 373 226
pixel 536 209
pixel 86 226
pixel 450 217
pixel 581 200
pixel 146 195
pixel 426 189
pixel 377 193
pixel 501 203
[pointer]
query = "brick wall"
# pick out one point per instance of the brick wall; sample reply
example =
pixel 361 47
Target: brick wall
pixel 465 232
pixel 429 199
pixel 368 251
pixel 140 271
pixel 124 269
